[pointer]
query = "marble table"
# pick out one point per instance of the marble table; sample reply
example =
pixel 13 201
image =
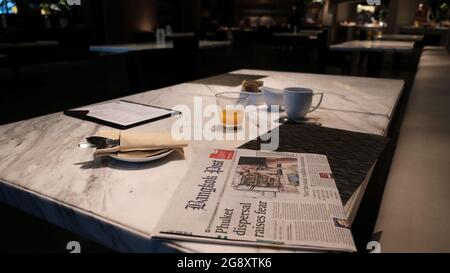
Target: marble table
pixel 352 29
pixel 312 34
pixel 374 46
pixel 19 54
pixel 364 27
pixel 367 55
pixel 401 37
pixel 442 32
pixel 180 35
pixel 125 48
pixel 27 45
pixel 43 172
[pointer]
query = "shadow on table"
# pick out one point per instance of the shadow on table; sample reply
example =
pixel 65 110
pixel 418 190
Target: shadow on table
pixel 107 162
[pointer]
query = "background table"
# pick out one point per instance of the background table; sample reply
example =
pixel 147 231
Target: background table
pixel 124 48
pixel 43 172
pixel 354 31
pixel 367 55
pixel 439 35
pixel 374 46
pixel 34 44
pixel 401 37
pixel 25 52
pixel 185 55
pixel 311 34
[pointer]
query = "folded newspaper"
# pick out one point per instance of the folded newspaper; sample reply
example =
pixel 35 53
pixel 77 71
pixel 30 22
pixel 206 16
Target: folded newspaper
pixel 246 197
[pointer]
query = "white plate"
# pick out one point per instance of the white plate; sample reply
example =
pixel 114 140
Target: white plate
pixel 142 160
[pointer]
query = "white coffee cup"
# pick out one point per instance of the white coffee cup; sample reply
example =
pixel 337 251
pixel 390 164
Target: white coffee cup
pixel 298 101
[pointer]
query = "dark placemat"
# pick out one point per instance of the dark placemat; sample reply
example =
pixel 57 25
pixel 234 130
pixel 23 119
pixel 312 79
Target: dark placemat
pixel 351 155
pixel 228 79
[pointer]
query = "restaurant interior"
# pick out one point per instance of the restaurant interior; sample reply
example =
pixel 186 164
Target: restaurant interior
pixel 382 69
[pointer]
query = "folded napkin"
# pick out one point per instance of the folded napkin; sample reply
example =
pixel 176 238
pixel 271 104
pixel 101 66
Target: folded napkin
pixel 138 144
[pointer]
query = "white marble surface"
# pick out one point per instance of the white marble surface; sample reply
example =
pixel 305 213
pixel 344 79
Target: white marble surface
pixel 118 204
pixel 180 35
pixel 401 37
pixel 375 46
pixel 29 44
pixel 344 94
pixel 124 48
pixel 365 26
pixel 424 30
pixel 301 34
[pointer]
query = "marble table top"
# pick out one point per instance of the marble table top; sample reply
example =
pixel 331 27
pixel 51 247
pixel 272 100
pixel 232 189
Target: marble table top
pixel 366 26
pixel 43 172
pixel 180 34
pixel 424 30
pixel 301 34
pixel 374 46
pixel 124 48
pixel 401 37
pixel 29 44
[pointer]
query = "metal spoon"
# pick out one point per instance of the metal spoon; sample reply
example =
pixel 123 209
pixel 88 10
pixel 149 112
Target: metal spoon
pixel 103 142
pixel 286 120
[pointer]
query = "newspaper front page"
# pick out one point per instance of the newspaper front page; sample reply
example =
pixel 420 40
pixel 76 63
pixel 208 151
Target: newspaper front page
pixel 247 197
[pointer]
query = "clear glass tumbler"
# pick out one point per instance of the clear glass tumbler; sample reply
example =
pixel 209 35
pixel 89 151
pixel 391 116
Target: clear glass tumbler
pixel 231 108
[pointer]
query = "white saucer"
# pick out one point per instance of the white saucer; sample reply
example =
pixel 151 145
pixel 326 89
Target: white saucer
pixel 142 160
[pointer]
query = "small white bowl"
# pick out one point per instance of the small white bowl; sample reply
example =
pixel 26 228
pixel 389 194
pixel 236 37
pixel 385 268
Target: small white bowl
pixel 255 98
pixel 272 96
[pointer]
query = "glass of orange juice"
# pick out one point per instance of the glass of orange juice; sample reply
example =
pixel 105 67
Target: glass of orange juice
pixel 231 108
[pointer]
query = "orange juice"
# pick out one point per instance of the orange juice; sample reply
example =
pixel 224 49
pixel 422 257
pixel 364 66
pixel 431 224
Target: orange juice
pixel 231 118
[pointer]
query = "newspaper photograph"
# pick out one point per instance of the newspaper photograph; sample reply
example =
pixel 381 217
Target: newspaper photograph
pixel 247 197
